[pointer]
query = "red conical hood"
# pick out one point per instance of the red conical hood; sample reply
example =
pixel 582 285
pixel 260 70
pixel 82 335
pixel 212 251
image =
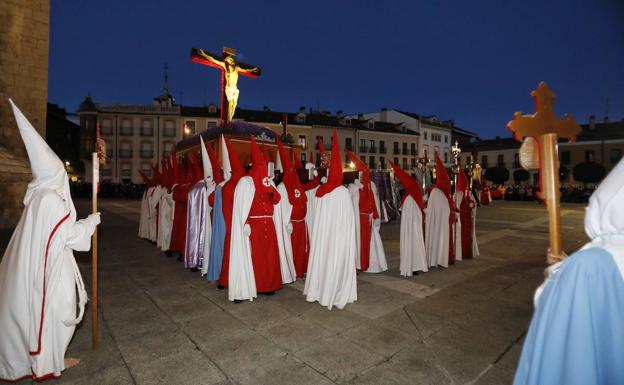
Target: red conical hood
pixel 462 182
pixel 443 182
pixel 335 170
pixel 217 171
pixel 410 185
pixel 237 168
pixel 362 167
pixel 291 179
pixel 259 170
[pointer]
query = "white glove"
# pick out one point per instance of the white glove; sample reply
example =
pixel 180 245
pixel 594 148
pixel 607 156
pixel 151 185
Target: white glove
pixel 315 173
pixel 247 230
pixel 377 222
pixel 94 219
pixel 289 228
pixel 323 179
pixel 309 166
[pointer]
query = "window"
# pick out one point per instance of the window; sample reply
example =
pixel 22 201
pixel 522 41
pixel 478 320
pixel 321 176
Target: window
pixel 125 171
pixel 211 124
pixel 212 109
pixel 589 156
pixel 516 160
pixel 404 148
pixel 319 140
pixel 371 163
pixel 484 161
pixel 382 162
pixel 146 127
pixel 125 150
pixel 445 138
pixel 146 168
pixel 303 142
pixel 304 158
pixel 109 149
pixel 126 127
pixel 349 144
pixel 106 128
pixel 189 128
pixel 565 157
pixel 382 147
pixel 395 148
pixel 405 165
pixel 615 155
pixel 413 149
pixel 301 118
pixel 436 137
pixel 425 134
pixel 167 147
pixel 372 146
pixel 413 162
pixel 445 156
pixel 425 151
pixel 396 161
pixel 169 130
pixel 147 150
pixel 363 145
pixel 500 161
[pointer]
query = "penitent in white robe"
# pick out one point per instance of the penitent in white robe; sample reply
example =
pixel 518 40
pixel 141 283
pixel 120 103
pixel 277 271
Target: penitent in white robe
pixel 437 228
pixel 144 216
pixel 166 207
pixel 377 259
pixel 281 218
pixel 153 201
pixel 207 227
pixel 412 249
pixel 331 278
pixel 311 207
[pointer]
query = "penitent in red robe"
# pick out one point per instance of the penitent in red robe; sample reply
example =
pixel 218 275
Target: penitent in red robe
pixel 263 240
pixel 368 212
pixel 299 237
pixel 465 217
pixel 178 231
pixel 227 205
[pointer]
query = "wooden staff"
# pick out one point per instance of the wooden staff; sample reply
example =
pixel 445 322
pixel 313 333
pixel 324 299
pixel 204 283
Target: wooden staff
pixel 546 128
pixel 94 253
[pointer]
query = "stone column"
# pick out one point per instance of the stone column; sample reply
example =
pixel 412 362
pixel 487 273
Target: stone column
pixel 24 45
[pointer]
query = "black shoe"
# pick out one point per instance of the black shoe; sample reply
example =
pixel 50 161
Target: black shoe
pixel 169 253
pixel 220 287
pixel 194 269
pixel 237 301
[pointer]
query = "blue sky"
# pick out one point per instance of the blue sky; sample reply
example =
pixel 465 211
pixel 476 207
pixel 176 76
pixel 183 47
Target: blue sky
pixel 474 62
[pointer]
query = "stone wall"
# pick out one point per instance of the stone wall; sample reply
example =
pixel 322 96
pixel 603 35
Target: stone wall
pixel 24 46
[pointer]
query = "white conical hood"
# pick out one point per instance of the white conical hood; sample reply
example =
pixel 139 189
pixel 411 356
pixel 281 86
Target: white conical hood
pixel 47 169
pixel 603 215
pixel 208 173
pixel 225 160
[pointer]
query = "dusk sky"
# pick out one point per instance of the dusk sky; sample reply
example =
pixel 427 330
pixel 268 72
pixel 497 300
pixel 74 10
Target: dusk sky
pixel 474 62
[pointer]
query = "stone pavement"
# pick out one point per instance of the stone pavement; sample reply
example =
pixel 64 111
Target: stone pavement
pixel 162 324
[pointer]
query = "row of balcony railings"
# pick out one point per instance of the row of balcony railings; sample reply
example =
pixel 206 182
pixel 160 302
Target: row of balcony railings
pixel 129 131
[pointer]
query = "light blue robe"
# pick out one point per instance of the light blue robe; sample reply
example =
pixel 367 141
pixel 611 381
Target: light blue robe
pixel 218 238
pixel 576 335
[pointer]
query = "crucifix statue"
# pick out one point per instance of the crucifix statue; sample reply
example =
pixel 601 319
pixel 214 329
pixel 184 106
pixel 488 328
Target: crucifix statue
pixel 229 76
pixel 545 128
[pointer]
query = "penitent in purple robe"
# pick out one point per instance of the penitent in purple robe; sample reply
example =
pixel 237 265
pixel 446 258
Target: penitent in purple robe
pixel 196 210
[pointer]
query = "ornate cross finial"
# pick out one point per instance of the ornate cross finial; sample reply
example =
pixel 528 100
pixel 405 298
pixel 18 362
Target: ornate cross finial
pixel 543 121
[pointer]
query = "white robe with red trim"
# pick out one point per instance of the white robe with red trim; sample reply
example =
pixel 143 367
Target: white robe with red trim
pixel 38 279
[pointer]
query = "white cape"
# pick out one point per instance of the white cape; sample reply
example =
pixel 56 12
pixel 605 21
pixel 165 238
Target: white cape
pixel 165 220
pixel 311 207
pixel 153 200
pixel 281 218
pixel 377 260
pixel 437 228
pixel 413 255
pixel 38 279
pixel 331 278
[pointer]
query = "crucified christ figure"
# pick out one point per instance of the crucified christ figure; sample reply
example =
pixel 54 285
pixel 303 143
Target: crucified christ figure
pixel 230 69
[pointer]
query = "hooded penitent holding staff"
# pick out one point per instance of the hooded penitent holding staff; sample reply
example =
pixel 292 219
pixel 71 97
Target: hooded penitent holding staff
pixel 575 336
pixel 412 244
pixel 439 219
pixel 366 207
pixel 331 278
pixel 38 273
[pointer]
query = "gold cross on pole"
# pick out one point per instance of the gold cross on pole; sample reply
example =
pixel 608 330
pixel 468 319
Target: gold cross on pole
pixel 545 127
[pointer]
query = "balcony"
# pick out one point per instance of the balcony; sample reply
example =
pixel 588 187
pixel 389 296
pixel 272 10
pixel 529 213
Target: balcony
pixel 363 149
pixel 372 149
pixel 382 149
pixel 147 131
pixel 396 151
pixel 125 154
pixel 147 153
pixel 413 152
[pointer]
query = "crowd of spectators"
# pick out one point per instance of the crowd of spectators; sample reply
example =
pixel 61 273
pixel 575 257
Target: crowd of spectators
pixel 520 192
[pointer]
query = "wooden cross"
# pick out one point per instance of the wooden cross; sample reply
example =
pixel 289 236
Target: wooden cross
pixel 229 76
pixel 545 127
